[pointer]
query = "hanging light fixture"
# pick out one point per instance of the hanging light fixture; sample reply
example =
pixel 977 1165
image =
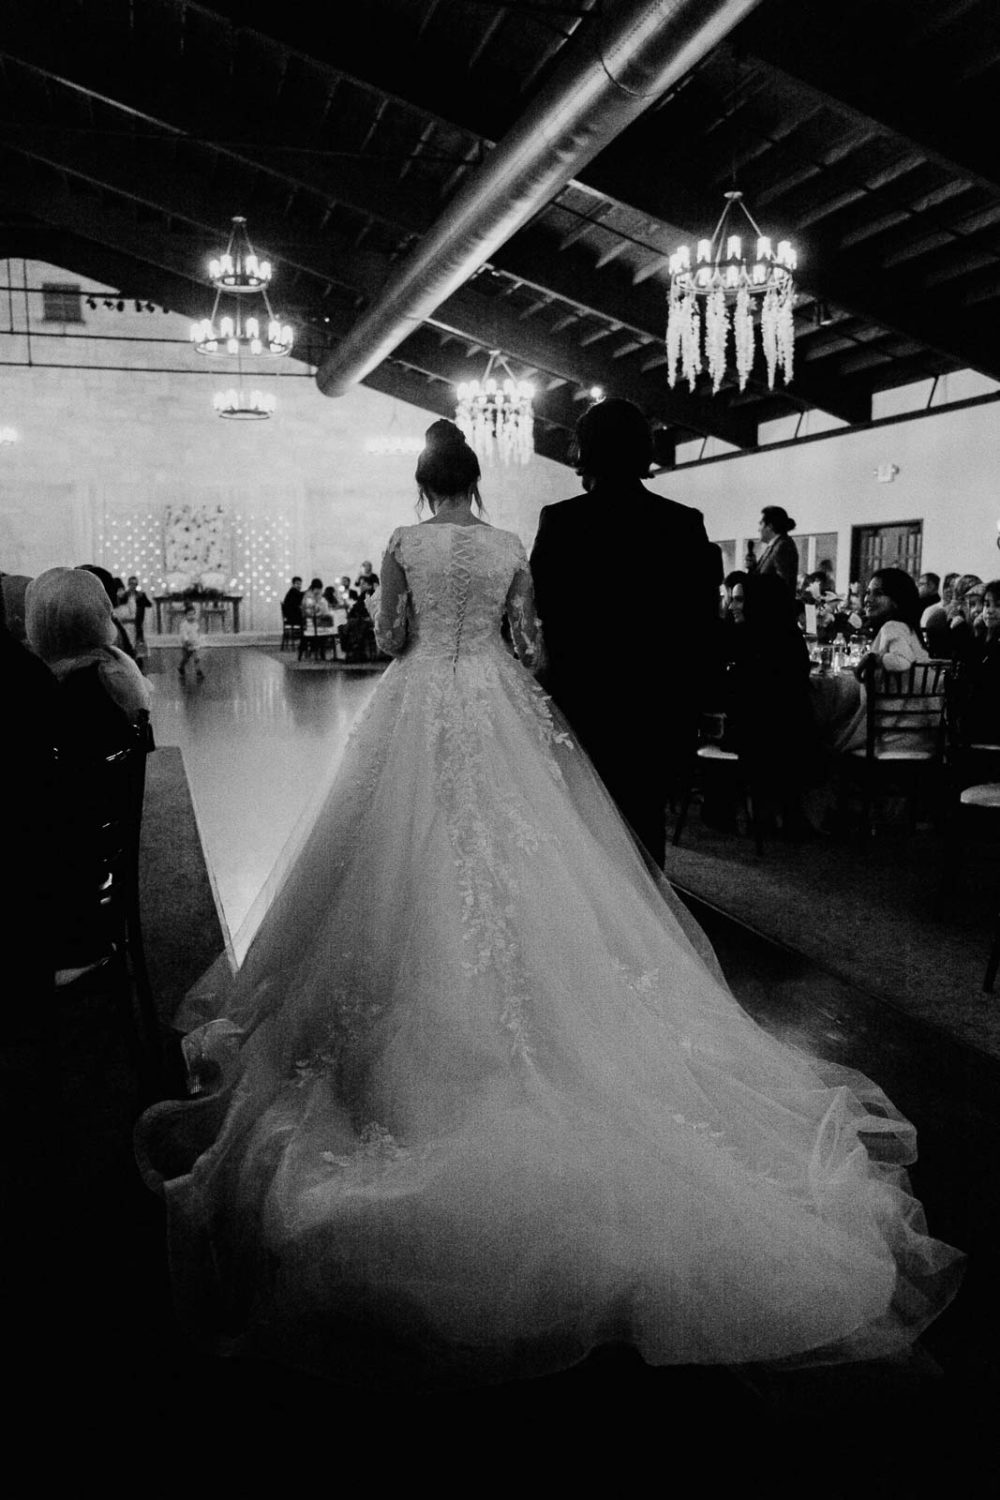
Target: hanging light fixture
pixel 238 269
pixel 235 273
pixel 497 418
pixel 715 298
pixel 244 406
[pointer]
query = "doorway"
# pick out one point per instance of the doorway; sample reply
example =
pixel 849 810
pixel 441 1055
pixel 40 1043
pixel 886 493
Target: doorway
pixel 895 545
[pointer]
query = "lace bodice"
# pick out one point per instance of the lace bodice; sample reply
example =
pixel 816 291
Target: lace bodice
pixel 446 588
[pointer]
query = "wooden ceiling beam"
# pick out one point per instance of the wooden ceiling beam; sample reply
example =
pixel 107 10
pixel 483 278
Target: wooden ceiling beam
pixel 868 83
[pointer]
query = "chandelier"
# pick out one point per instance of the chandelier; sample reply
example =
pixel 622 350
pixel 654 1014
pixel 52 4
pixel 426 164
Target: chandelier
pixel 244 406
pixel 236 273
pixel 497 419
pixel 715 300
pixel 238 269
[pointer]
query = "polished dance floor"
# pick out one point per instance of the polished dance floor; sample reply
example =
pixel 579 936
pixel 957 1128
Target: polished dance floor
pixel 258 743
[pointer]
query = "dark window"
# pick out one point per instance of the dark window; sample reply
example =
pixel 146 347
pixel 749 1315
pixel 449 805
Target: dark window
pixel 61 302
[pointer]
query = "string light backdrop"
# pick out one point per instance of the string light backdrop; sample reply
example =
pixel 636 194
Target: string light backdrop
pixel 258 547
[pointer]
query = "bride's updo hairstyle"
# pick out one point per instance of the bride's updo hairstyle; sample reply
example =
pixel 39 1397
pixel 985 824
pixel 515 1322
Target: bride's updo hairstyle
pixel 447 465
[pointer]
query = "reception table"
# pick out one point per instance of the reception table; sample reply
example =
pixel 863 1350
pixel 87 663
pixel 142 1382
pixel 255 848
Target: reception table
pixel 217 605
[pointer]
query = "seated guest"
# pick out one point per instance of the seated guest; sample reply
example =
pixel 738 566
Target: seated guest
pixel 768 705
pixel 347 594
pixel 928 586
pixel 313 603
pixel 892 612
pixel 27 775
pixel 13 586
pixel 112 587
pixel 101 694
pixel 963 611
pixel 291 605
pixel 978 668
pixel 71 627
pixel 934 619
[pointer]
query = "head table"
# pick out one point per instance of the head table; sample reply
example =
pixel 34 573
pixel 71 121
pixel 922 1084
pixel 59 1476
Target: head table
pixel 213 610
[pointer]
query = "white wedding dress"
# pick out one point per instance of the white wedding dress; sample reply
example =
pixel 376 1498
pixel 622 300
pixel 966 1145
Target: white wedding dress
pixel 487 1100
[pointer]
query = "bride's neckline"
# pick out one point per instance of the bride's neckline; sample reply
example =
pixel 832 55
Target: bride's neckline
pixel 464 524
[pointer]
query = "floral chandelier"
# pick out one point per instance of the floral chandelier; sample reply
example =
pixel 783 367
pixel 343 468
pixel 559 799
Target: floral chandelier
pixel 497 419
pixel 238 272
pixel 716 299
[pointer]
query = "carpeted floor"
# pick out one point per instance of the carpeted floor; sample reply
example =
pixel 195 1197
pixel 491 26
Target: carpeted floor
pixel 899 917
pixel 181 930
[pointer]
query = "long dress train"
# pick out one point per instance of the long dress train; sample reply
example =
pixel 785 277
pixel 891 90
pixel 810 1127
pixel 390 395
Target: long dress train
pixel 484 1088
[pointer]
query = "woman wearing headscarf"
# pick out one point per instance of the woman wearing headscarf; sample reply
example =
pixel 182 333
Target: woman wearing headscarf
pixel 114 588
pixel 101 694
pixel 71 627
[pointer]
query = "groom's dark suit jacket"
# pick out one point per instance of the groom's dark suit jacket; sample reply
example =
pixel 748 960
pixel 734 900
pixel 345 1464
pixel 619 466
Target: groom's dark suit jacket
pixel 627 671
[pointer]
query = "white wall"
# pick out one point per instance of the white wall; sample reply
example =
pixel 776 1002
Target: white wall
pixel 100 451
pixel 948 465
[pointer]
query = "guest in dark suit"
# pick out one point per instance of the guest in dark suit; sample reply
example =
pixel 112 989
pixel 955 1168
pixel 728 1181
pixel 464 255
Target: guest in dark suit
pixel 629 684
pixel 291 605
pixel 780 555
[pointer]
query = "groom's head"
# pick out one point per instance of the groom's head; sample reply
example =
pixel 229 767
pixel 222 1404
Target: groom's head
pixel 614 441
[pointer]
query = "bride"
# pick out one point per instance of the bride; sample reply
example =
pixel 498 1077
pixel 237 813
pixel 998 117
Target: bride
pixel 483 1100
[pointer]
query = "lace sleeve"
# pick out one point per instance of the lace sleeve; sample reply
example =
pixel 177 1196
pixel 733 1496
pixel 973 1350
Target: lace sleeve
pixel 389 607
pixel 525 628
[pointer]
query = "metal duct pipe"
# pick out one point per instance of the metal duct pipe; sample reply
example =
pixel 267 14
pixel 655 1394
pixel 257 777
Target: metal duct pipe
pixel 610 79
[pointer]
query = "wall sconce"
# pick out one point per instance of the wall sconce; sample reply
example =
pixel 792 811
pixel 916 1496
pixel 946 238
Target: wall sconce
pixel 886 473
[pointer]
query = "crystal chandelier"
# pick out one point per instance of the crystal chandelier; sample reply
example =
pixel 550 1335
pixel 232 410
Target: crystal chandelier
pixel 497 419
pixel 716 299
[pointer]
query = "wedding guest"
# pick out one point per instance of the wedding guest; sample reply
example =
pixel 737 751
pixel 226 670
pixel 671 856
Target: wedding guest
pixel 367 578
pixel 291 605
pixel 892 613
pixel 131 612
pixel 934 619
pixel 71 627
pixel 768 705
pixel 978 672
pixel 191 641
pixel 962 612
pixel 111 588
pixel 780 555
pixel 928 586
pixel 13 586
pixel 347 593
pixel 312 600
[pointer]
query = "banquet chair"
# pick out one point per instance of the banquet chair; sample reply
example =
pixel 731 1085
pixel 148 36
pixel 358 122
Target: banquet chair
pixel 104 797
pixel 710 759
pixel 316 640
pixel 291 631
pixel 905 735
pixel 973 810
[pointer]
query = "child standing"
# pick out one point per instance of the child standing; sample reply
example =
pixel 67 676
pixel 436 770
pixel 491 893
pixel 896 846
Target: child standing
pixel 190 634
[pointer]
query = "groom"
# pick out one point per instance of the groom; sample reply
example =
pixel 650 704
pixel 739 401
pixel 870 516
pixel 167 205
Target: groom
pixel 628 675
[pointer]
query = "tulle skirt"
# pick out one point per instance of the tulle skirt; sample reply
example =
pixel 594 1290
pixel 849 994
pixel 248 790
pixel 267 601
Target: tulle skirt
pixel 480 1099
